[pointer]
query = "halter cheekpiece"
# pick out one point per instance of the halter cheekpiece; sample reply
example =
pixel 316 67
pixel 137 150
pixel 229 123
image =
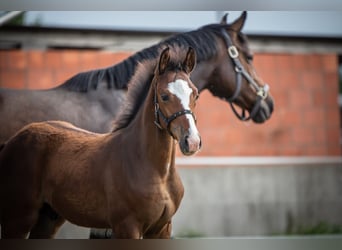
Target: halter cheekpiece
pixel 167 120
pixel 261 92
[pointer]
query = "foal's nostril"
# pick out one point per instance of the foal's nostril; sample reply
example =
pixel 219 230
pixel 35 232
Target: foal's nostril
pixel 186 143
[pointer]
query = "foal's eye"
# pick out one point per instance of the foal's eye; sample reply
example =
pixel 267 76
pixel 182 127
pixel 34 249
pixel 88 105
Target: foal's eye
pixel 165 97
pixel 196 97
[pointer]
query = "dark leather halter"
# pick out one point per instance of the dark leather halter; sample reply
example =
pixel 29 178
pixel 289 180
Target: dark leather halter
pixel 261 92
pixel 159 114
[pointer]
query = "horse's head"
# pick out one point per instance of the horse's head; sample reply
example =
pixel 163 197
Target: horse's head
pixel 175 99
pixel 237 78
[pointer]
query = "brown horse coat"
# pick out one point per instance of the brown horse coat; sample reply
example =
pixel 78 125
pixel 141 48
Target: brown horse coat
pixel 125 180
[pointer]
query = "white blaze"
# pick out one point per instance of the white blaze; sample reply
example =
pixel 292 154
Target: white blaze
pixel 181 89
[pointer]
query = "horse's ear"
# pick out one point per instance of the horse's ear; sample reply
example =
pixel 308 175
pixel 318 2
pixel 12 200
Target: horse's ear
pixel 238 23
pixel 190 60
pixel 163 60
pixel 224 19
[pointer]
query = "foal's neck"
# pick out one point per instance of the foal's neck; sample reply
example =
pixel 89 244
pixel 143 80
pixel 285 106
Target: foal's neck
pixel 154 146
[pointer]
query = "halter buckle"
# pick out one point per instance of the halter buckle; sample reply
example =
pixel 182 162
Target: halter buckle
pixel 238 69
pixel 158 125
pixel 263 92
pixel 233 52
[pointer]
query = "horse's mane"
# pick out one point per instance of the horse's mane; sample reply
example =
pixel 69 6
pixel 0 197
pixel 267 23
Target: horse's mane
pixel 203 40
pixel 140 85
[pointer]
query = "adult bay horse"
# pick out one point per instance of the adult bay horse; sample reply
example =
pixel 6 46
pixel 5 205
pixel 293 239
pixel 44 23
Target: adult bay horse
pixel 91 99
pixel 125 179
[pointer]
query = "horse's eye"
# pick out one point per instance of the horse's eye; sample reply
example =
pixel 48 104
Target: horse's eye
pixel 165 97
pixel 249 58
pixel 196 97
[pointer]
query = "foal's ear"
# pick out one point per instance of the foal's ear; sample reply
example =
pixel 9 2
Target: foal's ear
pixel 190 60
pixel 238 23
pixel 224 19
pixel 164 60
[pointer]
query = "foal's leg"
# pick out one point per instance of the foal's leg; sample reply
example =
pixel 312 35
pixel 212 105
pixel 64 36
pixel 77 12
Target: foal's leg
pixel 128 229
pixel 164 233
pixel 47 224
pixel 17 226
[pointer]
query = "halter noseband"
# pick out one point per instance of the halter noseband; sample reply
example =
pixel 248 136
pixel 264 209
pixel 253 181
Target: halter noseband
pixel 158 113
pixel 261 92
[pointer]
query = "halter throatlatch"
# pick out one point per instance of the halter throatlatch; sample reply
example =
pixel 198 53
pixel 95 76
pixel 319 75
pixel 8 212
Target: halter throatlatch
pixel 261 92
pixel 159 114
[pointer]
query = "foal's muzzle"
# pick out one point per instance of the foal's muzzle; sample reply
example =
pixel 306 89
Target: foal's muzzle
pixel 190 144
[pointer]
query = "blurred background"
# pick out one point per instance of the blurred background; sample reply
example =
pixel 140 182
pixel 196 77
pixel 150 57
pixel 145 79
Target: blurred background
pixel 282 177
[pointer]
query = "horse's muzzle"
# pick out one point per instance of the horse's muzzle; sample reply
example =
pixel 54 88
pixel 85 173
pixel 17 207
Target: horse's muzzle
pixel 265 111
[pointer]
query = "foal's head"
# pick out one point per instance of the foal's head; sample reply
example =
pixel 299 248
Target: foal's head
pixel 175 99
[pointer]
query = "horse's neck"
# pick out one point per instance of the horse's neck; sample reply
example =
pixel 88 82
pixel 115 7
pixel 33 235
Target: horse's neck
pixel 204 73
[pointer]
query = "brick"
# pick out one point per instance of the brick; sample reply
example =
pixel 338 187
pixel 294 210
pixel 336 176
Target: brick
pixel 36 59
pixel 39 79
pixel 280 136
pixel 284 62
pixel 300 100
pixel 61 76
pixel 290 150
pixel 105 60
pixel 314 62
pixel 319 137
pixel 53 59
pixel 120 56
pixel 312 80
pixel 4 59
pixel 331 100
pixel 333 136
pixel 312 117
pixel 14 79
pixel 332 118
pixel 303 136
pixel 89 60
pixel 264 63
pixel 334 150
pixel 318 98
pixel 330 63
pixel 17 60
pixel 287 80
pixel 316 151
pixel 300 62
pixel 331 82
pixel 71 59
pixel 306 120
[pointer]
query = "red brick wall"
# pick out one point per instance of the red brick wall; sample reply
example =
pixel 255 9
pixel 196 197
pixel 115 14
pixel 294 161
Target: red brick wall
pixel 304 86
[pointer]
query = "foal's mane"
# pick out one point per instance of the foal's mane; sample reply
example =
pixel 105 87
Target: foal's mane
pixel 140 84
pixel 203 40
